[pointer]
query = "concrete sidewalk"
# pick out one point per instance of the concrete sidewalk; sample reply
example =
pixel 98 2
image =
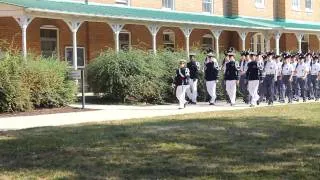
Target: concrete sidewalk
pixel 111 113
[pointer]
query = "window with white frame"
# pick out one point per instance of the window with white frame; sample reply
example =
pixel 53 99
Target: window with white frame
pixel 168 39
pixel 305 43
pixel 125 40
pixel 296 4
pixel 207 6
pixel 80 56
pixel 207 42
pixel 258 43
pixel 123 2
pixel 259 3
pixel 168 4
pixel 49 41
pixel 308 5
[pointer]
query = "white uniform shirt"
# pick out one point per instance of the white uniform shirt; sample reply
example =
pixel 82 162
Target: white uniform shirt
pixel 301 70
pixel 315 69
pixel 287 69
pixel 308 63
pixel 279 67
pixel 271 68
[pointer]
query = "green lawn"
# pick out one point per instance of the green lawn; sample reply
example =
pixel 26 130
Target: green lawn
pixel 261 143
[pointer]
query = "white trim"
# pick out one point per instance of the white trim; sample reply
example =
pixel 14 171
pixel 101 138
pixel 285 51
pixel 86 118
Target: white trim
pixel 142 19
pixel 168 8
pixel 205 12
pixel 78 47
pixel 296 7
pixel 51 27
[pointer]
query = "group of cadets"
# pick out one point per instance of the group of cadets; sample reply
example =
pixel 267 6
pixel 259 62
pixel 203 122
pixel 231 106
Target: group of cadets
pixel 261 77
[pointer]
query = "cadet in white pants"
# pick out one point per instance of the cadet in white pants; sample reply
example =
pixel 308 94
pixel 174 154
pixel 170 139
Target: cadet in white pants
pixel 231 77
pixel 182 83
pixel 194 68
pixel 211 71
pixel 253 75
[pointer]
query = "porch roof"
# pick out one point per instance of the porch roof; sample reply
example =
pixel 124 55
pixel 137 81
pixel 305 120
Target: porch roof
pixel 283 24
pixel 130 13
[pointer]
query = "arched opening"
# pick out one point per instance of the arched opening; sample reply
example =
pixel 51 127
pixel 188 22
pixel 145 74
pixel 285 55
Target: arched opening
pixel 258 43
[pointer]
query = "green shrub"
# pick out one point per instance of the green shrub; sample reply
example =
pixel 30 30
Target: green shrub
pixel 34 83
pixel 140 76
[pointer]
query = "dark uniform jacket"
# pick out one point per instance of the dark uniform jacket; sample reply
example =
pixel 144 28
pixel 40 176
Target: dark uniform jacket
pixel 182 77
pixel 232 71
pixel 194 71
pixel 253 72
pixel 211 71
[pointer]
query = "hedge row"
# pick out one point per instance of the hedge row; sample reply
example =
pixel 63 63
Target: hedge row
pixel 140 76
pixel 34 83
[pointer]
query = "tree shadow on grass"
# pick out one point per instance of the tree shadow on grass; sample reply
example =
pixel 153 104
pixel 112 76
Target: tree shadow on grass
pixel 209 148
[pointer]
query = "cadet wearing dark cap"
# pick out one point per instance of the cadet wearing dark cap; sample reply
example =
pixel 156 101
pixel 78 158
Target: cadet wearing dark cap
pixel 271 72
pixel 253 76
pixel 315 77
pixel 287 72
pixel 301 73
pixel 245 59
pixel 308 61
pixel 194 68
pixel 211 75
pixel 231 76
pixel 278 83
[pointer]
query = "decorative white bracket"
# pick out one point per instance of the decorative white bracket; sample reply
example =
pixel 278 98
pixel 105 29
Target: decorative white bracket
pixel 277 35
pixel 23 21
pixel 74 25
pixel 243 35
pixel 299 36
pixel 187 31
pixel 117 28
pixel 153 28
pixel 216 33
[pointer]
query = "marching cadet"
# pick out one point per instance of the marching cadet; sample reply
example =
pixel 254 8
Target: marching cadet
pixel 245 59
pixel 182 83
pixel 223 67
pixel 194 68
pixel 301 73
pixel 294 63
pixel 308 62
pixel 287 77
pixel 231 76
pixel 315 77
pixel 253 74
pixel 261 90
pixel 270 71
pixel 278 83
pixel 211 75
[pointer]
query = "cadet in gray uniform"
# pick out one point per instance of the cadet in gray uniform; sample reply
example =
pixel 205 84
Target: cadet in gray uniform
pixel 315 77
pixel 287 77
pixel 271 72
pixel 308 80
pixel 301 72
pixel 243 83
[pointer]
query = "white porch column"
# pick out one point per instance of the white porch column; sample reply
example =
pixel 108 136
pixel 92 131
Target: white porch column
pixel 243 35
pixel 267 38
pixel 187 32
pixel 74 26
pixel 153 28
pixel 116 30
pixel 23 22
pixel 216 34
pixel 299 38
pixel 277 36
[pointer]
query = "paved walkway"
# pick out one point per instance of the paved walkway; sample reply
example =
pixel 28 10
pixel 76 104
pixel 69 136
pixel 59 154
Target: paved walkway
pixel 109 113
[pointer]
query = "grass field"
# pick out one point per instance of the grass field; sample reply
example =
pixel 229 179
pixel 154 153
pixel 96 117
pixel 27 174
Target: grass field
pixel 262 143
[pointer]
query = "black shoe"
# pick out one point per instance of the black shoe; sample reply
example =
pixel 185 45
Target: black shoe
pixel 185 104
pixel 258 103
pixel 251 105
pixel 211 104
pixel 270 103
pixel 194 103
pixel 290 102
pixel 304 100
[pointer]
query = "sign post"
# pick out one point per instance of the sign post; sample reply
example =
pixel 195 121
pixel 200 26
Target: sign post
pixel 79 75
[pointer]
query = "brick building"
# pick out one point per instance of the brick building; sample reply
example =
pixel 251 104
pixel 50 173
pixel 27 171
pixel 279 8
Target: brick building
pixel 51 27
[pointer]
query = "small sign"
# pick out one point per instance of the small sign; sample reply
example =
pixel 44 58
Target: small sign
pixel 75 74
